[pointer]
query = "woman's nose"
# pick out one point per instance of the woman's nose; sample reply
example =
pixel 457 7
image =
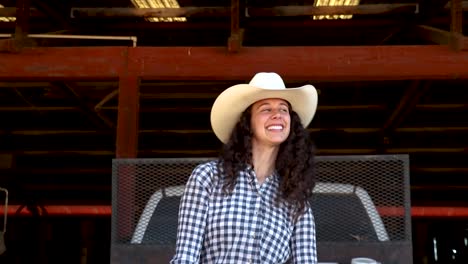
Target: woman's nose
pixel 276 114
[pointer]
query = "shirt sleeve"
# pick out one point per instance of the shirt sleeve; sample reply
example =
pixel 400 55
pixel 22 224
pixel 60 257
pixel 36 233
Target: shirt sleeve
pixel 303 244
pixel 192 216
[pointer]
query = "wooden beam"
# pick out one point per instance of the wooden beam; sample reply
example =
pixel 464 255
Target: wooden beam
pixel 351 130
pixel 304 10
pixel 128 112
pixel 235 39
pixel 208 152
pixel 303 63
pixel 106 99
pixel 84 63
pixel 431 129
pixel 432 34
pixel 96 117
pixel 464 5
pixel 216 63
pixel 11 12
pixel 407 104
pixel 191 11
pixel 37 108
pixel 456 40
pixel 51 13
pixel 440 170
pixel 22 25
pixel 179 109
pixel 75 171
pixel 328 108
pixel 309 10
pixel 441 106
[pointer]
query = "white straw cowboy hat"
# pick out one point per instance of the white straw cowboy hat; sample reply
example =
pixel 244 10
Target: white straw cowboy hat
pixel 230 104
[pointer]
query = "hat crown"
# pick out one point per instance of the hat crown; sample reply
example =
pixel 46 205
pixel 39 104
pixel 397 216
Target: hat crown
pixel 268 80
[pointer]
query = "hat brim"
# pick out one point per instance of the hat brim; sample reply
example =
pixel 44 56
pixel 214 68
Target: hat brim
pixel 230 104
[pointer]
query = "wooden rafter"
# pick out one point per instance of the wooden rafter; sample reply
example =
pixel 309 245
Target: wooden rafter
pixel 215 63
pixel 11 12
pixel 350 130
pixel 98 118
pixel 50 12
pixel 442 37
pixel 305 10
pixel 235 40
pixel 391 122
pixel 407 104
pixel 457 41
pixel 189 152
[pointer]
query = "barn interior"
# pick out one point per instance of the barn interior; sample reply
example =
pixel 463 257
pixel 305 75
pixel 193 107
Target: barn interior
pixel 84 82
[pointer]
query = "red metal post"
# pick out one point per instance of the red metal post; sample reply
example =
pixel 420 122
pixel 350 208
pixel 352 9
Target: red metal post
pixel 127 146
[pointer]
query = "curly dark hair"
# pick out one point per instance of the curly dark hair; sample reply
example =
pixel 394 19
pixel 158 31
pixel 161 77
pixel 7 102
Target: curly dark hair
pixel 295 162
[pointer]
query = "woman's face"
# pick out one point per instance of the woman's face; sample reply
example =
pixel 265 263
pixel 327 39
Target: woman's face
pixel 270 121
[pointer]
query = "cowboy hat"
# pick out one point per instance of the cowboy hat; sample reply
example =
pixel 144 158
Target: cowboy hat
pixel 230 104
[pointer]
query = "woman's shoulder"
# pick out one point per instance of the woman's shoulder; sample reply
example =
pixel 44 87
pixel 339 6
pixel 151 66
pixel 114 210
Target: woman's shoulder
pixel 207 166
pixel 206 172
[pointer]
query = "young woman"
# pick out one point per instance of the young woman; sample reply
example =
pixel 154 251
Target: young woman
pixel 251 205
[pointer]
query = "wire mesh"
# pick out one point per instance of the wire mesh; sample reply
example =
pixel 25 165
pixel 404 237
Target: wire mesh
pixel 357 199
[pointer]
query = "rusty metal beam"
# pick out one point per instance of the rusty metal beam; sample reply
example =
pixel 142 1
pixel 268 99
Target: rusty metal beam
pixel 215 63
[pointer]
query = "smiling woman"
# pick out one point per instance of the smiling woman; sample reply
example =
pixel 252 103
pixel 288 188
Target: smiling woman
pixel 270 122
pixel 251 205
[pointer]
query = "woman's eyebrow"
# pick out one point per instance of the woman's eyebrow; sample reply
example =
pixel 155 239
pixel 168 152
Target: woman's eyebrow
pixel 264 104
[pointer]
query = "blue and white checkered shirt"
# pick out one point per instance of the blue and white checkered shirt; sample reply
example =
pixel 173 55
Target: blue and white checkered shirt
pixel 245 227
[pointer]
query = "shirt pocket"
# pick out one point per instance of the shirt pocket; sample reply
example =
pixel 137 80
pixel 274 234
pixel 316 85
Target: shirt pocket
pixel 277 233
pixel 226 217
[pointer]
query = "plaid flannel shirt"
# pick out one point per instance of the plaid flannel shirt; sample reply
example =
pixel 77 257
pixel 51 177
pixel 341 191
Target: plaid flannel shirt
pixel 245 227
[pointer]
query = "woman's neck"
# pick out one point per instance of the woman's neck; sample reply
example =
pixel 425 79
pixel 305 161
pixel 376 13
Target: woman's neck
pixel 264 159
